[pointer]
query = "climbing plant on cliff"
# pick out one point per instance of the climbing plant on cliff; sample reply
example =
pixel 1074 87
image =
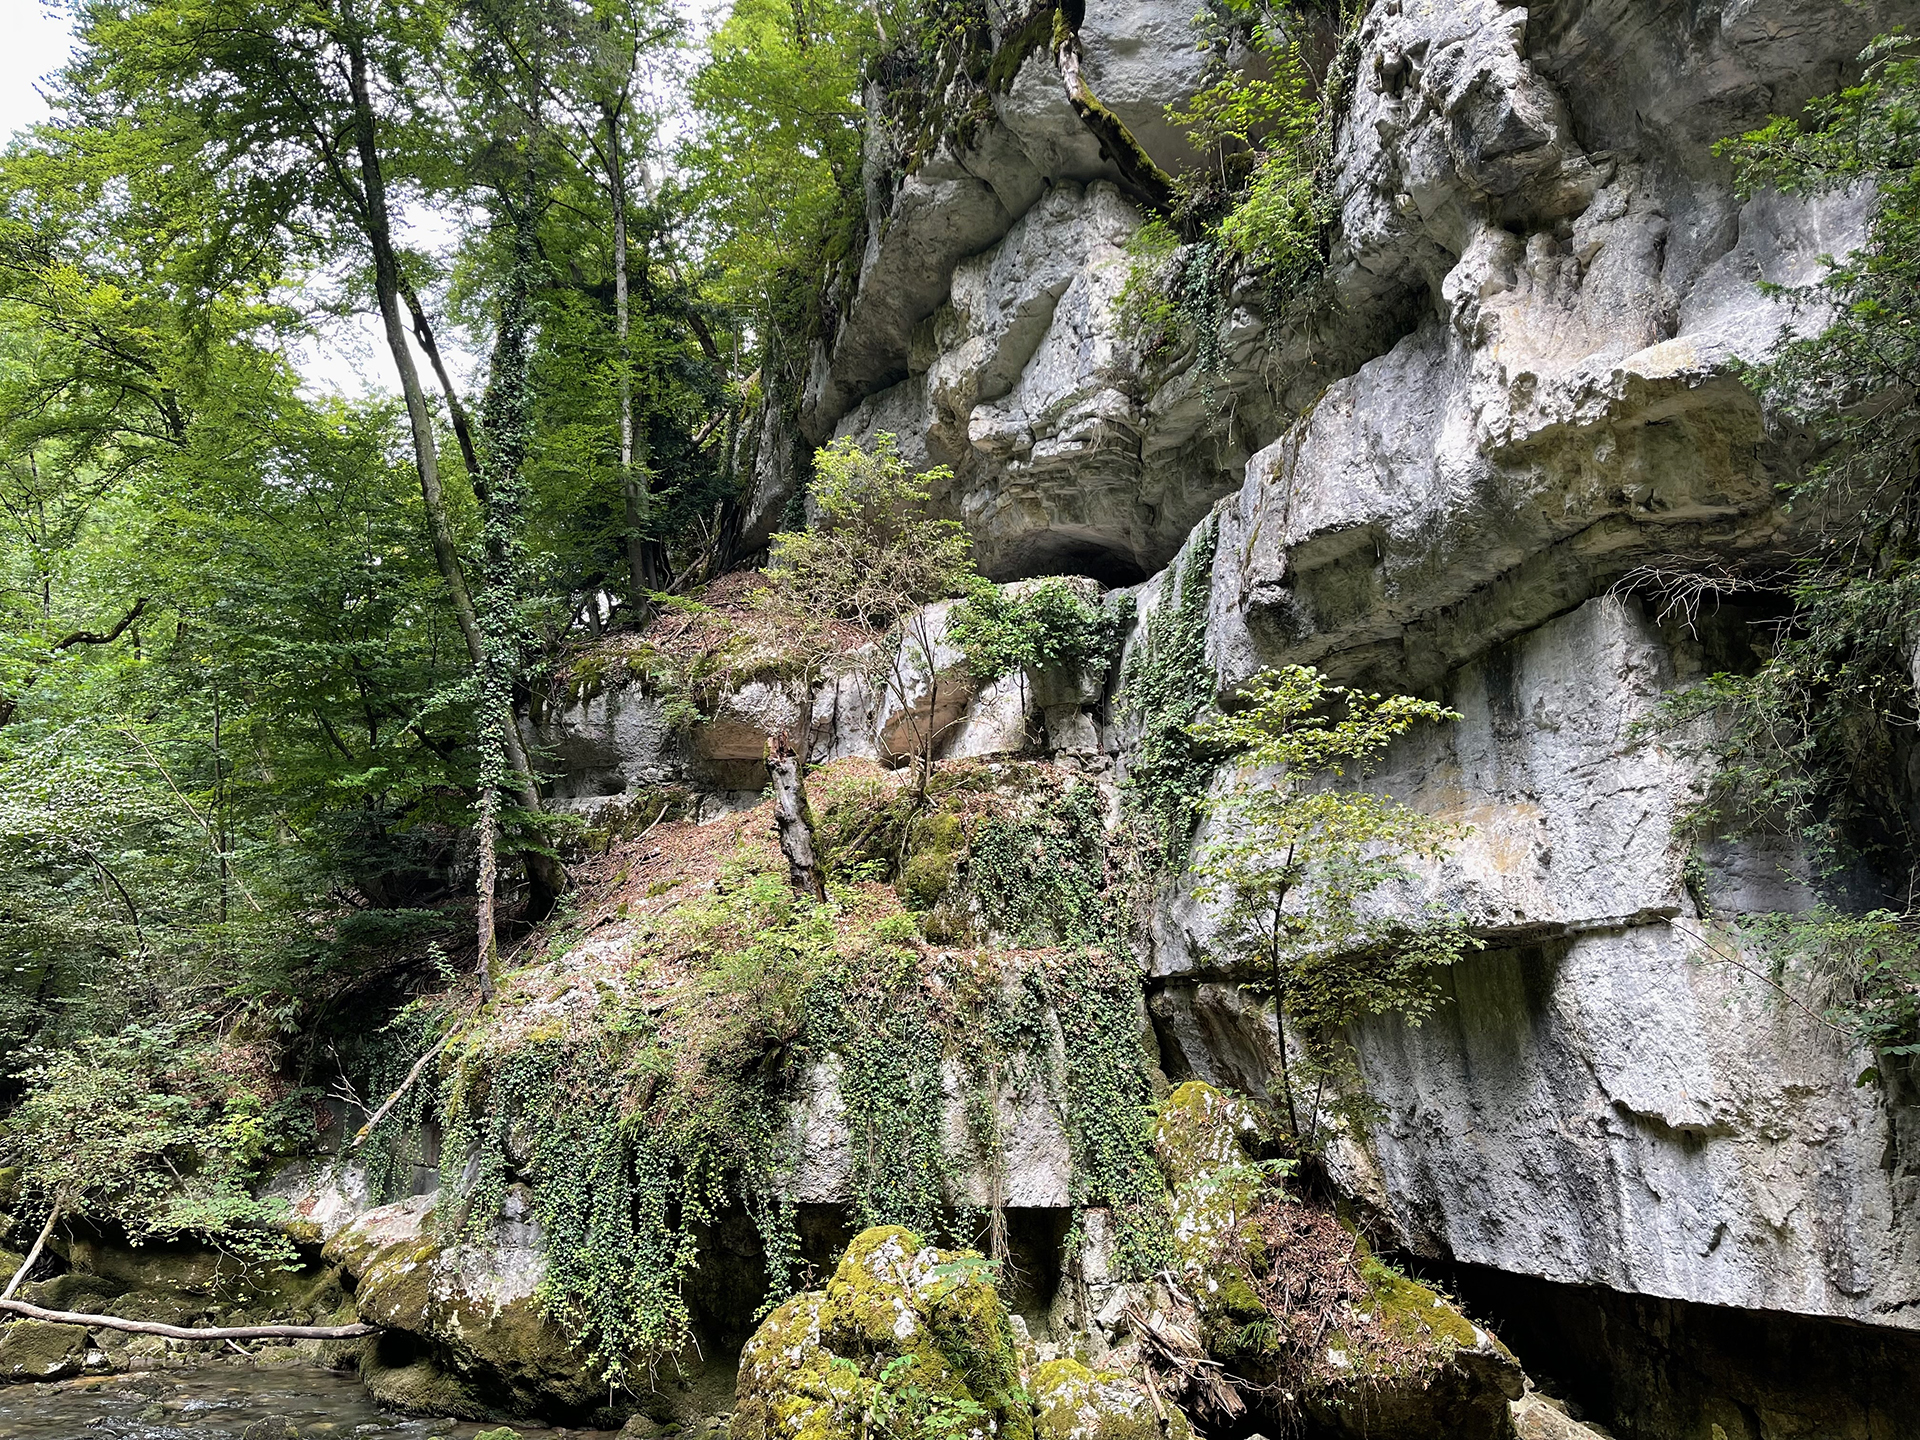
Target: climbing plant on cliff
pixel 1810 741
pixel 1300 861
pixel 1258 198
pixel 636 1122
pixel 1166 686
pixel 1047 628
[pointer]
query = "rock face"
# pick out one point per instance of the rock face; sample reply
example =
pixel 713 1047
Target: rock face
pixel 37 1350
pixel 1616 1092
pixel 1524 406
pixel 466 1336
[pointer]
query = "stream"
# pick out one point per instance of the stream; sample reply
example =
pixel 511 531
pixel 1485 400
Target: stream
pixel 231 1402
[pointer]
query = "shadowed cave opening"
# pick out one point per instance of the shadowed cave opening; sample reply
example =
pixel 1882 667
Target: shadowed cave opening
pixel 726 1289
pixel 1657 1369
pixel 1069 551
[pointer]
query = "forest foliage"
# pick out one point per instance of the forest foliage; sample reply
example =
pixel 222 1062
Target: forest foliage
pixel 260 639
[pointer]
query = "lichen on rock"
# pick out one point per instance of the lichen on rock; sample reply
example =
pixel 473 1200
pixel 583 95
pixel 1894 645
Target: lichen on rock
pixel 1072 1402
pixel 39 1350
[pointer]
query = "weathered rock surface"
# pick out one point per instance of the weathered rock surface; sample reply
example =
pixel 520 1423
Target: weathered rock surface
pixel 466 1336
pixel 1615 1093
pixel 1629 1109
pixel 38 1350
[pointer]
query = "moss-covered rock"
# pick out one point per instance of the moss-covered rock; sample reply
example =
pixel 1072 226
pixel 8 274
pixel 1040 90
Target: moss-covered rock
pixel 417 1384
pixel 160 1266
pixel 472 1313
pixel 903 1336
pixel 37 1350
pixel 1072 1402
pixel 1365 1349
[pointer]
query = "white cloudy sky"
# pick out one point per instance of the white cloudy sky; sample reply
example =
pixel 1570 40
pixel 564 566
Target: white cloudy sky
pixel 35 42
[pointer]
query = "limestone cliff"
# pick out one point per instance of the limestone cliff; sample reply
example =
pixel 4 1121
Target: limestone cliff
pixel 1545 286
pixel 1521 393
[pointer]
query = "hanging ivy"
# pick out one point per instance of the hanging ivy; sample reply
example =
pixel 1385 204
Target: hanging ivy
pixel 877 1021
pixel 1167 685
pixel 1039 877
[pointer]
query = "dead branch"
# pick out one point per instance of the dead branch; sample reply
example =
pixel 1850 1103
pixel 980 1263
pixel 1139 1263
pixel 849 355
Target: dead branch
pixel 92 637
pixel 1175 1350
pixel 1681 587
pixel 59 1204
pixel 183 1332
pixel 365 1130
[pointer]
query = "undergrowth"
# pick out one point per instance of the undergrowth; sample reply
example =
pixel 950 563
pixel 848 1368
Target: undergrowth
pixel 1048 628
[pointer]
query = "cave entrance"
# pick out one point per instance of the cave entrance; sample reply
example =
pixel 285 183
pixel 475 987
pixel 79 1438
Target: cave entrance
pixel 1069 550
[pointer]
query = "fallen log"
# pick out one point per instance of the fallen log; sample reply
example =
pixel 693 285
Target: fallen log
pixel 183 1332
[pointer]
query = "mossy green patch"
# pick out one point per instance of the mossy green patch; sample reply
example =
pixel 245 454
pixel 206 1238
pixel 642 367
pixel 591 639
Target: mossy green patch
pixel 1034 34
pixel 1072 1402
pixel 902 1339
pixel 38 1350
pixel 1282 1289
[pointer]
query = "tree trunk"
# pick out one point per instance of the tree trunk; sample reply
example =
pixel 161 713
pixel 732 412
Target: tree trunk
pixel 795 818
pixel 633 483
pixel 1280 1015
pixel 546 877
pixel 386 284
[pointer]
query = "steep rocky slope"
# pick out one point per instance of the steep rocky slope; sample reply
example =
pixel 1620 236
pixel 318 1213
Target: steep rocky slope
pixel 1522 403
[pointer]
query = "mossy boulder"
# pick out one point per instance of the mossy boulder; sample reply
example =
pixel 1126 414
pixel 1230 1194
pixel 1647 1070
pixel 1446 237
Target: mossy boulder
pixel 1374 1352
pixel 902 1335
pixel 158 1266
pixel 38 1350
pixel 417 1384
pixel 475 1334
pixel 1072 1402
pixel 1205 1141
pixel 933 860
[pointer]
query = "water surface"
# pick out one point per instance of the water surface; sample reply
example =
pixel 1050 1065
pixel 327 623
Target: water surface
pixel 225 1402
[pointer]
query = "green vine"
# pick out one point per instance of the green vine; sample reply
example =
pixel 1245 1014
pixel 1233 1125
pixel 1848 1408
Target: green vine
pixel 1045 879
pixel 378 1065
pixel 1166 687
pixel 877 1020
pixel 1110 1107
pixel 635 1129
pixel 1038 878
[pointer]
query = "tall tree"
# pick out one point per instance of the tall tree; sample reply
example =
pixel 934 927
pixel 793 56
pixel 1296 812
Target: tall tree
pixel 306 124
